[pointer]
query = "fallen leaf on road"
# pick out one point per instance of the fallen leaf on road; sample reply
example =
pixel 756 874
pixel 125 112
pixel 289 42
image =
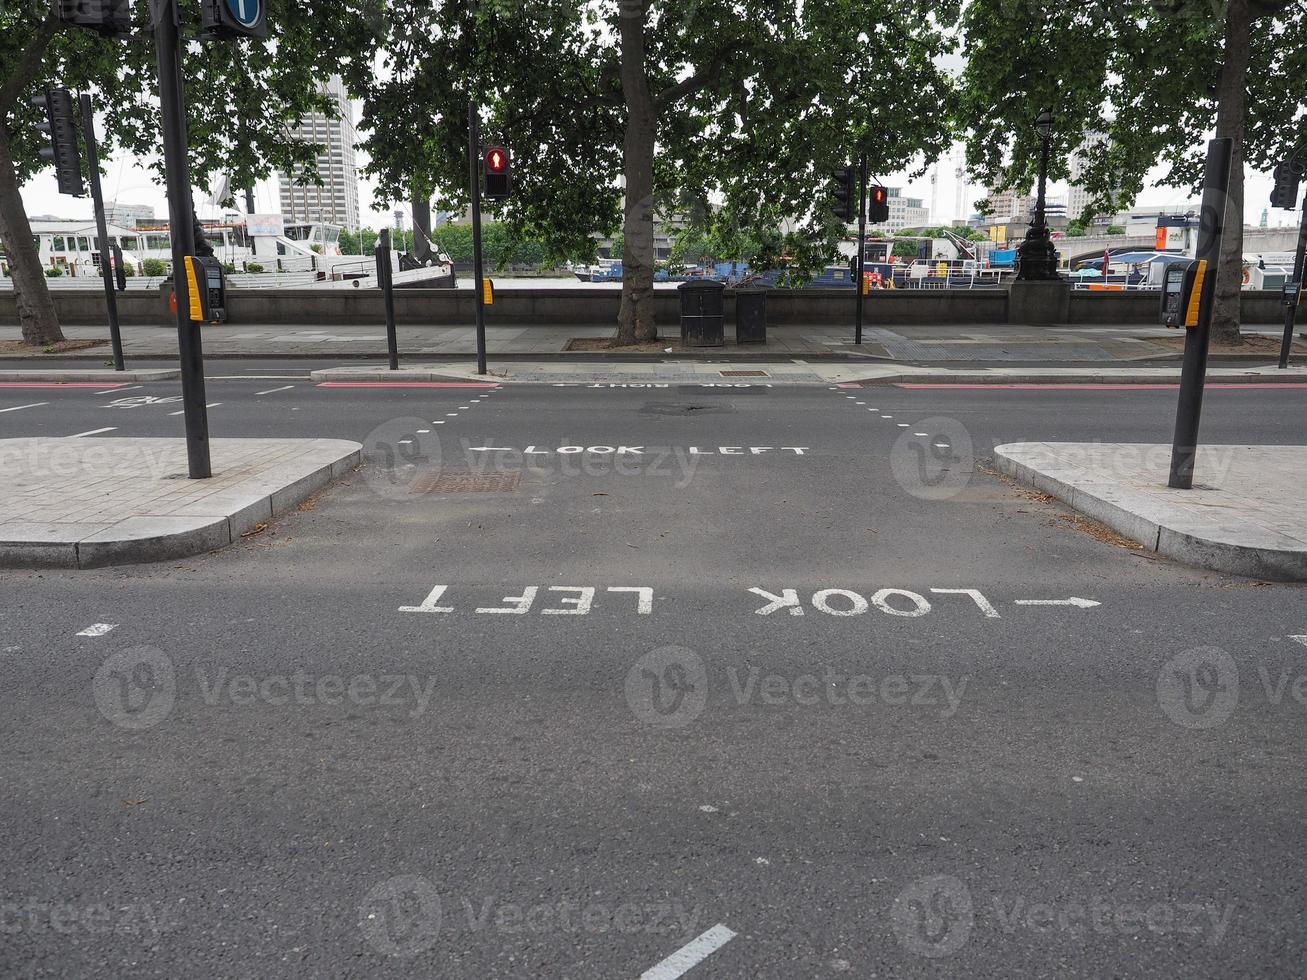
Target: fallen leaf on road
pixel 257 529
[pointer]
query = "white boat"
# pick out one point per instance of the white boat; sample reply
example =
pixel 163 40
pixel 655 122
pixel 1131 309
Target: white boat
pixel 256 249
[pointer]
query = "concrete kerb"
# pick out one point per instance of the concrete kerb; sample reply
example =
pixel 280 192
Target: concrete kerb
pixel 105 376
pixel 1110 504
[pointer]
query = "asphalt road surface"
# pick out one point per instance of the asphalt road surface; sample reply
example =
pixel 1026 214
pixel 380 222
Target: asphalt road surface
pixel 713 681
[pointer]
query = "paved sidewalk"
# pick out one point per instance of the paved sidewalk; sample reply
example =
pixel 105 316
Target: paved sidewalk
pixel 793 371
pixel 82 503
pixel 1245 514
pixel 908 344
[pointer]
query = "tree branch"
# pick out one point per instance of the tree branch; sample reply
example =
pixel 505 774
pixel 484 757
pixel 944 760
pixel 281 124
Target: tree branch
pixel 699 79
pixel 28 63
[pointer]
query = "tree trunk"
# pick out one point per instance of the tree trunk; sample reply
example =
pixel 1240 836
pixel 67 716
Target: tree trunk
pixel 1231 115
pixel 635 321
pixel 36 313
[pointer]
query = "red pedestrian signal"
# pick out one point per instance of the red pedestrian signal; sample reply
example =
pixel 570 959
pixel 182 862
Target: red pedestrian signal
pixel 497 172
pixel 878 205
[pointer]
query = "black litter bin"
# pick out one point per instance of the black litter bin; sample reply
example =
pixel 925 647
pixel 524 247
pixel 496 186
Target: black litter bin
pixel 751 315
pixel 701 314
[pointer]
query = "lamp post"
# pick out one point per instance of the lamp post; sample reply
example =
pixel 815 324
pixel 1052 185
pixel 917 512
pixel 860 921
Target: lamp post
pixel 1036 256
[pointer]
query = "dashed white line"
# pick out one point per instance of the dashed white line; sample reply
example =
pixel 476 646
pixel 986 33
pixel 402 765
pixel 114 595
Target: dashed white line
pixel 921 433
pixel 118 388
pixel 93 432
pixel 271 390
pixel 19 408
pixel 901 425
pixel 451 415
pixel 438 422
pixel 97 629
pixel 887 416
pixel 690 955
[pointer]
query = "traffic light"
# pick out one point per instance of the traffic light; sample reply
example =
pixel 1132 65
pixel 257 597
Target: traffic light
pixel 844 192
pixel 108 17
pixel 498 172
pixel 878 205
pixel 234 18
pixel 61 125
pixel 1287 174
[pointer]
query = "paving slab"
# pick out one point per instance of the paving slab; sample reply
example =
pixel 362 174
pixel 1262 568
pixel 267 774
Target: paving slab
pixel 84 503
pixel 1245 513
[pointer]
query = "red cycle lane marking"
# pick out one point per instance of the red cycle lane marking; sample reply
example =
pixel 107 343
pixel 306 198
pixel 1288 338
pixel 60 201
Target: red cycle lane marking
pixel 1106 387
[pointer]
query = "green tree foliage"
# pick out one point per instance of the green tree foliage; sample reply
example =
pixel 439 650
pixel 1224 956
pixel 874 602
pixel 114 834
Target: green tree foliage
pixel 243 97
pixel 1132 84
pixel 751 102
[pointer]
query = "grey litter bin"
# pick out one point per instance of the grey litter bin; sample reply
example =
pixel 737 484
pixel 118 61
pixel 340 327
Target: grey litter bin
pixel 751 315
pixel 701 314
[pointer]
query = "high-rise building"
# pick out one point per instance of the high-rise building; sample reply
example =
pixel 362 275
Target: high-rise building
pixel 1078 197
pixel 336 200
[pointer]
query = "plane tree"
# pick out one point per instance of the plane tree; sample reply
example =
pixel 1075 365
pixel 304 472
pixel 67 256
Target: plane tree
pixel 1133 85
pixel 619 112
pixel 243 99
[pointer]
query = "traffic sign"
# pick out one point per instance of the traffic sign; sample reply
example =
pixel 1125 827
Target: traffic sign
pixel 236 18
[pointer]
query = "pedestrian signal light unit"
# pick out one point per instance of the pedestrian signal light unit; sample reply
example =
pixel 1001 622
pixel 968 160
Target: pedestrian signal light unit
pixel 843 192
pixel 498 172
pixel 205 289
pixel 1182 293
pixel 61 126
pixel 878 205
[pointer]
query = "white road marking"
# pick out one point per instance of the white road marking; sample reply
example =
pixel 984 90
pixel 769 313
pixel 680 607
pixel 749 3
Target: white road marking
pixel 97 629
pixel 859 403
pixel 451 415
pixel 429 603
pixel 976 597
pixel 110 391
pixel 887 416
pixel 1299 639
pixel 1073 601
pixel 927 434
pixel 19 408
pixel 423 432
pixel 438 422
pixel 271 390
pixel 92 432
pixel 901 425
pixel 690 955
pixel 213 404
pixel 461 407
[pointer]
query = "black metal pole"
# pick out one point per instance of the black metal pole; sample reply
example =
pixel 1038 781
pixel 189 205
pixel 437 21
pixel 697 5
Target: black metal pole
pixel 181 223
pixel 474 187
pixel 387 285
pixel 862 237
pixel 101 229
pixel 1211 228
pixel 1291 309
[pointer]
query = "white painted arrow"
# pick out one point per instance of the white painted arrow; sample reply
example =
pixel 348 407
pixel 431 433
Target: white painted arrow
pixel 1073 601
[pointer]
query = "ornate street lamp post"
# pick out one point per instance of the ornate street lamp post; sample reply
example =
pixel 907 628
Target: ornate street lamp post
pixel 1036 256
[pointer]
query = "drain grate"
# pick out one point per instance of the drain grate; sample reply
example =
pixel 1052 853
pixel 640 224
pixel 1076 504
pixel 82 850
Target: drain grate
pixel 743 374
pixel 466 483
